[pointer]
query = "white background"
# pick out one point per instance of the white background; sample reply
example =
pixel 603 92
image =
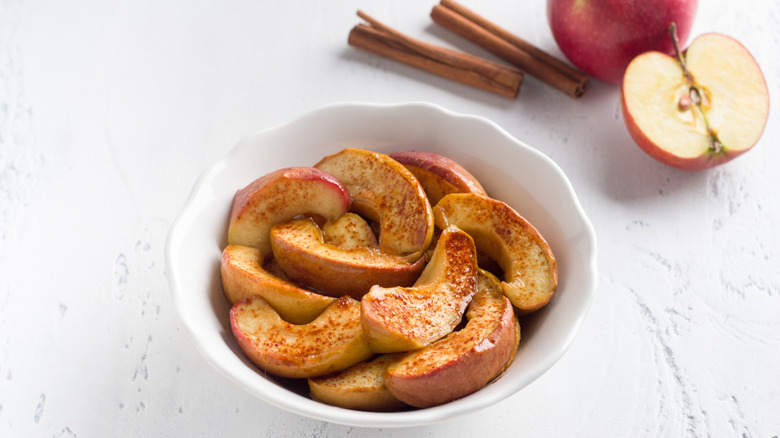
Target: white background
pixel 109 110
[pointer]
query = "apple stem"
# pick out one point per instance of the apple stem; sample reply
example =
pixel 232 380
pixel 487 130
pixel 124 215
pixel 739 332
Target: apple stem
pixel 678 52
pixel 694 93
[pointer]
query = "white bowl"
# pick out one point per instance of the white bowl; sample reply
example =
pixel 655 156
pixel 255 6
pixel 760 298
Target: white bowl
pixel 510 170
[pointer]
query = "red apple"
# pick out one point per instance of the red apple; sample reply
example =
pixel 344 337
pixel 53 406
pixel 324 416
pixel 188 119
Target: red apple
pixel 601 37
pixel 700 109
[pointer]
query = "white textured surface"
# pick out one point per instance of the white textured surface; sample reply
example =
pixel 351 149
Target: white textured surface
pixel 109 111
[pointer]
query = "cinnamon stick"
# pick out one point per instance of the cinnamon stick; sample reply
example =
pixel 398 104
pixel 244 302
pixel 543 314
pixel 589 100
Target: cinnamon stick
pixel 468 69
pixel 513 49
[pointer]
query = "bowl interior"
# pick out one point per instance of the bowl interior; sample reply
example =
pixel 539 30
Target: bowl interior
pixel 509 170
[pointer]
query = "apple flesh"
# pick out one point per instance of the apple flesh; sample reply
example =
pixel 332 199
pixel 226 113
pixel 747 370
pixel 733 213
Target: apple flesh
pixel 601 37
pixel 464 361
pixel 300 250
pixel 244 275
pixel 659 103
pixel 279 196
pixel 406 318
pixel 334 341
pixel 529 267
pixel 350 231
pixel 384 191
pixel 438 175
pixel 361 387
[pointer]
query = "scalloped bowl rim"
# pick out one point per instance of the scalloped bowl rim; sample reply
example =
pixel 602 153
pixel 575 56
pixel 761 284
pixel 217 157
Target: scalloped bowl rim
pixel 197 236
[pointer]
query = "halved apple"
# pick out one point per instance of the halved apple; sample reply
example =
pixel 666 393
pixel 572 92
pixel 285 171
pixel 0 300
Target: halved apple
pixel 529 267
pixel 244 275
pixel 361 387
pixel 464 361
pixel 703 109
pixel 300 250
pixel 438 175
pixel 280 196
pixel 332 342
pixel 407 318
pixel 384 191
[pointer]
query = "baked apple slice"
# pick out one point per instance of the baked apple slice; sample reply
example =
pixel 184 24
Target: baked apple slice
pixel 437 174
pixel 332 342
pixel 384 191
pixel 464 361
pixel 243 275
pixel 349 231
pixel 300 250
pixel 280 196
pixel 527 261
pixel 407 318
pixel 360 387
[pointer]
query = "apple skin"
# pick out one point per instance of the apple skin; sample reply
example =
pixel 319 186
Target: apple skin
pixel 439 175
pixel 464 361
pixel 299 249
pixel 737 103
pixel 279 196
pixel 601 37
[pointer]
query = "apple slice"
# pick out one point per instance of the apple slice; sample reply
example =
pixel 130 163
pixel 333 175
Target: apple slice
pixel 406 318
pixel 280 196
pixel 438 174
pixel 350 231
pixel 332 342
pixel 529 267
pixel 698 111
pixel 464 361
pixel 300 250
pixel 360 387
pixel 243 276
pixel 384 191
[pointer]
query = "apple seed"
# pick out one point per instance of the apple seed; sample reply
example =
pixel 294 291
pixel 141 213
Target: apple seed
pixel 695 95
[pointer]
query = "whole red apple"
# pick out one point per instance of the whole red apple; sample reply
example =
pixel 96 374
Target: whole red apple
pixel 601 37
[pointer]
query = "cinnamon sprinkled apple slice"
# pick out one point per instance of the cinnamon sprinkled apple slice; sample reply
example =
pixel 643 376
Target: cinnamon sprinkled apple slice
pixel 279 196
pixel 332 342
pixel 360 386
pixel 464 361
pixel 529 267
pixel 243 275
pixel 406 318
pixel 300 250
pixel 384 191
pixel 438 175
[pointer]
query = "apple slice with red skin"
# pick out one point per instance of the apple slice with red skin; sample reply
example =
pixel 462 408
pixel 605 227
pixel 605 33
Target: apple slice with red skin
pixel 301 251
pixel 243 275
pixel 438 175
pixel 465 360
pixel 361 387
pixel 406 318
pixel 384 191
pixel 704 108
pixel 529 267
pixel 279 196
pixel 334 341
